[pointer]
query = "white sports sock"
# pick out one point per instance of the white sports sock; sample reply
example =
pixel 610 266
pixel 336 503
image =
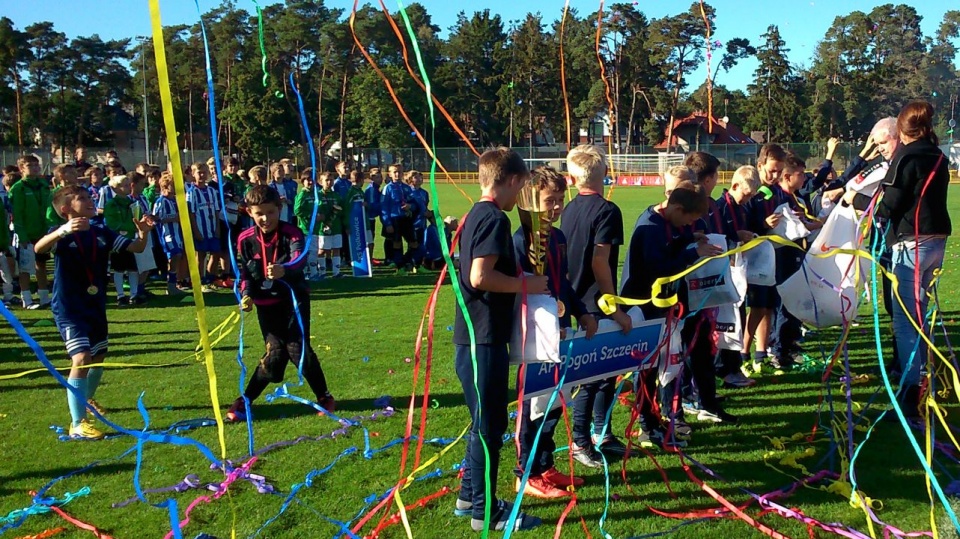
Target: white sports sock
pixel 322 266
pixel 27 297
pixel 118 283
pixel 133 278
pixel 336 265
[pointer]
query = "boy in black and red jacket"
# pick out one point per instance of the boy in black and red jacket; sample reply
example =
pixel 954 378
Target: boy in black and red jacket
pixel 271 269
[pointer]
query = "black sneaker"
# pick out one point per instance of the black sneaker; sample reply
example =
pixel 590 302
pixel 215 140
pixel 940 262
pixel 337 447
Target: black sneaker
pixel 123 301
pixel 587 456
pixel 681 429
pixel 655 439
pixel 611 445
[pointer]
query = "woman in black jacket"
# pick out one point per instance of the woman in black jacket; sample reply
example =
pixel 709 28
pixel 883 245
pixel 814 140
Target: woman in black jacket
pixel 914 203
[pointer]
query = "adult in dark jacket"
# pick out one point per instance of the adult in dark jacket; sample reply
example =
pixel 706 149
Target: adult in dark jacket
pixel 915 204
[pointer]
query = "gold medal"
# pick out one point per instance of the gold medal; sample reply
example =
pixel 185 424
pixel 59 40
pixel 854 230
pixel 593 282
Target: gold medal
pixel 92 290
pixel 561 308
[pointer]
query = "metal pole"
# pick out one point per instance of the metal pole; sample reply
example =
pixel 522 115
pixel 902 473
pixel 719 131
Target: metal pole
pixel 146 124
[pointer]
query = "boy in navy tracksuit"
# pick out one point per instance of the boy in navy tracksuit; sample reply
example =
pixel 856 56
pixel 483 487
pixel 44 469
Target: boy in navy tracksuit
pixel 662 244
pixel 732 206
pixel 699 326
pixel 785 326
pixel 544 480
pixel 371 198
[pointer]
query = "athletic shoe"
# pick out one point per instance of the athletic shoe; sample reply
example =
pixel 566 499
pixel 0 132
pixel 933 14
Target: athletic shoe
pixel 499 516
pixel 587 456
pixel 738 380
pixel 237 411
pixel 208 288
pixel 554 477
pixel 718 416
pixel 96 407
pixel 681 429
pixel 691 407
pixel 123 301
pixel 85 430
pixel 538 487
pixel 328 403
pixel 655 439
pixel 32 306
pixel 174 290
pixel 613 446
pixel 463 508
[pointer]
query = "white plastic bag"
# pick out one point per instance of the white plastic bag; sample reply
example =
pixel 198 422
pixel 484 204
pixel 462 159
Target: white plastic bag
pixel 824 292
pixel 738 275
pixel 542 343
pixel 761 262
pixel 711 285
pixel 729 328
pixel 671 355
pixel 790 225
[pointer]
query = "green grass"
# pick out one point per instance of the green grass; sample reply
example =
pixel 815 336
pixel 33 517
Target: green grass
pixel 378 318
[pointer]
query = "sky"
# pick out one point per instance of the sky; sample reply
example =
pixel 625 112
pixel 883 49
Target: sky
pixel 802 23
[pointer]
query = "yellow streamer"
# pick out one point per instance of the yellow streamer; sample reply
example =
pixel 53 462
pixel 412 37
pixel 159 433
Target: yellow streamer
pixel 171 132
pixel 232 320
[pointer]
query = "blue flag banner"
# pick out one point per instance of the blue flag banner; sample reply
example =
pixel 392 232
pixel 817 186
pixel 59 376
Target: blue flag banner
pixel 359 256
pixel 607 354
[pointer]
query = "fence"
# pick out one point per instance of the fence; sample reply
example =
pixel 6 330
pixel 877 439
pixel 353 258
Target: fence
pixel 462 162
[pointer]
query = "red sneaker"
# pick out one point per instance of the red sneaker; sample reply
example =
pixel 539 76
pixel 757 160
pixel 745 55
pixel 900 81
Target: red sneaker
pixel 554 477
pixel 237 411
pixel 328 403
pixel 538 487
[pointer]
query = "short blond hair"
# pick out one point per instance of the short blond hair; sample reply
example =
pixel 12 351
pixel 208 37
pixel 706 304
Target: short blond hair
pixel 115 181
pixel 676 174
pixel 258 173
pixel 587 164
pixel 746 174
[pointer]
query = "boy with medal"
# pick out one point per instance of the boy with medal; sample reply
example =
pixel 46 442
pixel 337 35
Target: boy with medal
pixel 81 317
pixel 545 481
pixel 269 251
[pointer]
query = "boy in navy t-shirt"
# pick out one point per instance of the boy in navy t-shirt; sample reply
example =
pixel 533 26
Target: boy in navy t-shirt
pixel 81 252
pixel 593 227
pixel 544 480
pixel 489 284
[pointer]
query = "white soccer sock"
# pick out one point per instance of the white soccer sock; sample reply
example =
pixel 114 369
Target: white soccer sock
pixel 118 283
pixel 27 297
pixel 322 266
pixel 133 278
pixel 336 265
pixel 44 295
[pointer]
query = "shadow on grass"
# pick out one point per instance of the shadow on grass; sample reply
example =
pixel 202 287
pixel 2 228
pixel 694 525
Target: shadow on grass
pixel 37 476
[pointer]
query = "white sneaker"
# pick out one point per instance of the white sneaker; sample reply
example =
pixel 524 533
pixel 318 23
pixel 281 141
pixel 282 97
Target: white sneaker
pixel 32 306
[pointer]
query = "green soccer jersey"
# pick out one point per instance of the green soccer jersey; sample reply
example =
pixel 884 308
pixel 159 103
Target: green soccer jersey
pixel 29 200
pixel 332 208
pixel 303 209
pixel 118 216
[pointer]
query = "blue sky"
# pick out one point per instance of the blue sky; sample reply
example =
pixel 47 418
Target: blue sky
pixel 802 22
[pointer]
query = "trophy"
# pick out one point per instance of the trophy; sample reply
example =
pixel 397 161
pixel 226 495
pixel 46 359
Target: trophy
pixel 535 221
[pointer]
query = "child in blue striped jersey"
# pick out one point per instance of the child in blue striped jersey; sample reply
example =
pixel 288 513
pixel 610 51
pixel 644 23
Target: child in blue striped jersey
pixel 204 205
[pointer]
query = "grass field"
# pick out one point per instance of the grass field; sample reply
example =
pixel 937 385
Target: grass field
pixel 377 319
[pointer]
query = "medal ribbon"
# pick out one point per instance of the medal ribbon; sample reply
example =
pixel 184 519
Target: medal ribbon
pixel 93 255
pixel 263 250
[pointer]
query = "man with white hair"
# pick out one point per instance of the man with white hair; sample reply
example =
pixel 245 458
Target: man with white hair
pixel 866 172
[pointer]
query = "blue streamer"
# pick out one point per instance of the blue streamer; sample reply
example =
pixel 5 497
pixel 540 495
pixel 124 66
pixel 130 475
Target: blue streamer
pixel 146 437
pixel 307 482
pixel 215 140
pixel 282 393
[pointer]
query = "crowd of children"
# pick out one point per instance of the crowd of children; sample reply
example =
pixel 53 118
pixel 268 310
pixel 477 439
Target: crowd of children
pixel 282 233
pixel 582 265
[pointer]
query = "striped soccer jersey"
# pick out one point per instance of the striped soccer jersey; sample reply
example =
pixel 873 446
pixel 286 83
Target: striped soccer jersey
pixel 204 204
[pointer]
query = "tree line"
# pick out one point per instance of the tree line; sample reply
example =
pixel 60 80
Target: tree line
pixel 499 80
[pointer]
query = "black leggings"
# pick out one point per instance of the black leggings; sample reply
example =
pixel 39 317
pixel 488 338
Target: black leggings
pixel 284 343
